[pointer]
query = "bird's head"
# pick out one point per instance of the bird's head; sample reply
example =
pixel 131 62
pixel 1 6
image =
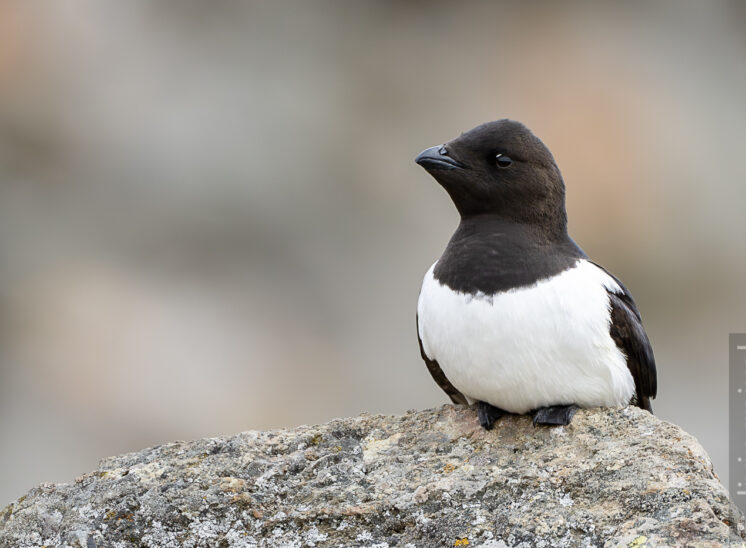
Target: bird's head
pixel 503 169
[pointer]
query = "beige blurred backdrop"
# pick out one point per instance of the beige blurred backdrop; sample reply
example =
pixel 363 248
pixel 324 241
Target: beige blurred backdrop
pixel 211 221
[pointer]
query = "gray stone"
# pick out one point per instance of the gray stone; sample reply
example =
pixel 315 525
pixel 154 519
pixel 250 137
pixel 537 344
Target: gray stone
pixel 429 478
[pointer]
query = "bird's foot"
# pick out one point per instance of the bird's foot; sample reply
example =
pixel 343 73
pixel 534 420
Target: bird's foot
pixel 554 415
pixel 488 414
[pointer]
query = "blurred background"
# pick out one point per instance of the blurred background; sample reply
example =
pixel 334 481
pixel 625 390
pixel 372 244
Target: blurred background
pixel 211 221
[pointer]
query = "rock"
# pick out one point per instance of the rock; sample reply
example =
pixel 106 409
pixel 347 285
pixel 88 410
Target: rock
pixel 429 478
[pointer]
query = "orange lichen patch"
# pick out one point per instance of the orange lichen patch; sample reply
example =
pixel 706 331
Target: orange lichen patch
pixel 448 468
pixel 111 514
pixel 461 542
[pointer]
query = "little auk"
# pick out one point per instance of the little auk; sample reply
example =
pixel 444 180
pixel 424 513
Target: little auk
pixel 514 316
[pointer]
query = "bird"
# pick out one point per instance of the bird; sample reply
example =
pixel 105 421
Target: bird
pixel 514 318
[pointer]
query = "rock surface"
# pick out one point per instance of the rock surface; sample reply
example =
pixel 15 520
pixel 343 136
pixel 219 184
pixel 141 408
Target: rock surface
pixel 430 478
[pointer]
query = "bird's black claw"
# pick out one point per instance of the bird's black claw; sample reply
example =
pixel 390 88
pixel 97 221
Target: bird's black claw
pixel 555 415
pixel 488 414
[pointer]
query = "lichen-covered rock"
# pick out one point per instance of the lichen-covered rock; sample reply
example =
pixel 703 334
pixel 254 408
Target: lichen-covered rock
pixel 430 478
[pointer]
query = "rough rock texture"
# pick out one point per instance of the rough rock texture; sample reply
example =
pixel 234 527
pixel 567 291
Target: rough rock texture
pixel 430 478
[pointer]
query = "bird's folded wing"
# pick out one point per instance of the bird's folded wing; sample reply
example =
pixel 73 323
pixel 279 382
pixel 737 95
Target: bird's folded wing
pixel 627 332
pixel 438 375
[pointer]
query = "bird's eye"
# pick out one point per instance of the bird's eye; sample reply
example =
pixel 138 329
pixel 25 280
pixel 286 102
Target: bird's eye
pixel 503 161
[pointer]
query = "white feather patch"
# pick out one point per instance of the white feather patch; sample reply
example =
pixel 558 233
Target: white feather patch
pixel 547 344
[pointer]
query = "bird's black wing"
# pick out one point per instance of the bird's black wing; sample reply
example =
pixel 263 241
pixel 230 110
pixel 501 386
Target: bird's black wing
pixel 629 335
pixel 438 375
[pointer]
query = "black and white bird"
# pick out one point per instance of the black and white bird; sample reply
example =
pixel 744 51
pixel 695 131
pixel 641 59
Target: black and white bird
pixel 514 316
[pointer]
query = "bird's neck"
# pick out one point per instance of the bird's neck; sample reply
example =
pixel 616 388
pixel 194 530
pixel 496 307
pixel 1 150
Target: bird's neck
pixel 489 254
pixel 519 232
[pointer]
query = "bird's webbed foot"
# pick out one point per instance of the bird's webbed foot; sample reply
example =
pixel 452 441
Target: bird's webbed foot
pixel 554 415
pixel 488 414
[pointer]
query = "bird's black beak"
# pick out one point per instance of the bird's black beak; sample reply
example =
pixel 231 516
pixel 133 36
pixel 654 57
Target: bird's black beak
pixel 437 158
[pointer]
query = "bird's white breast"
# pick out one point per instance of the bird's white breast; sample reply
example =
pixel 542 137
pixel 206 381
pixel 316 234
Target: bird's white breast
pixel 546 344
